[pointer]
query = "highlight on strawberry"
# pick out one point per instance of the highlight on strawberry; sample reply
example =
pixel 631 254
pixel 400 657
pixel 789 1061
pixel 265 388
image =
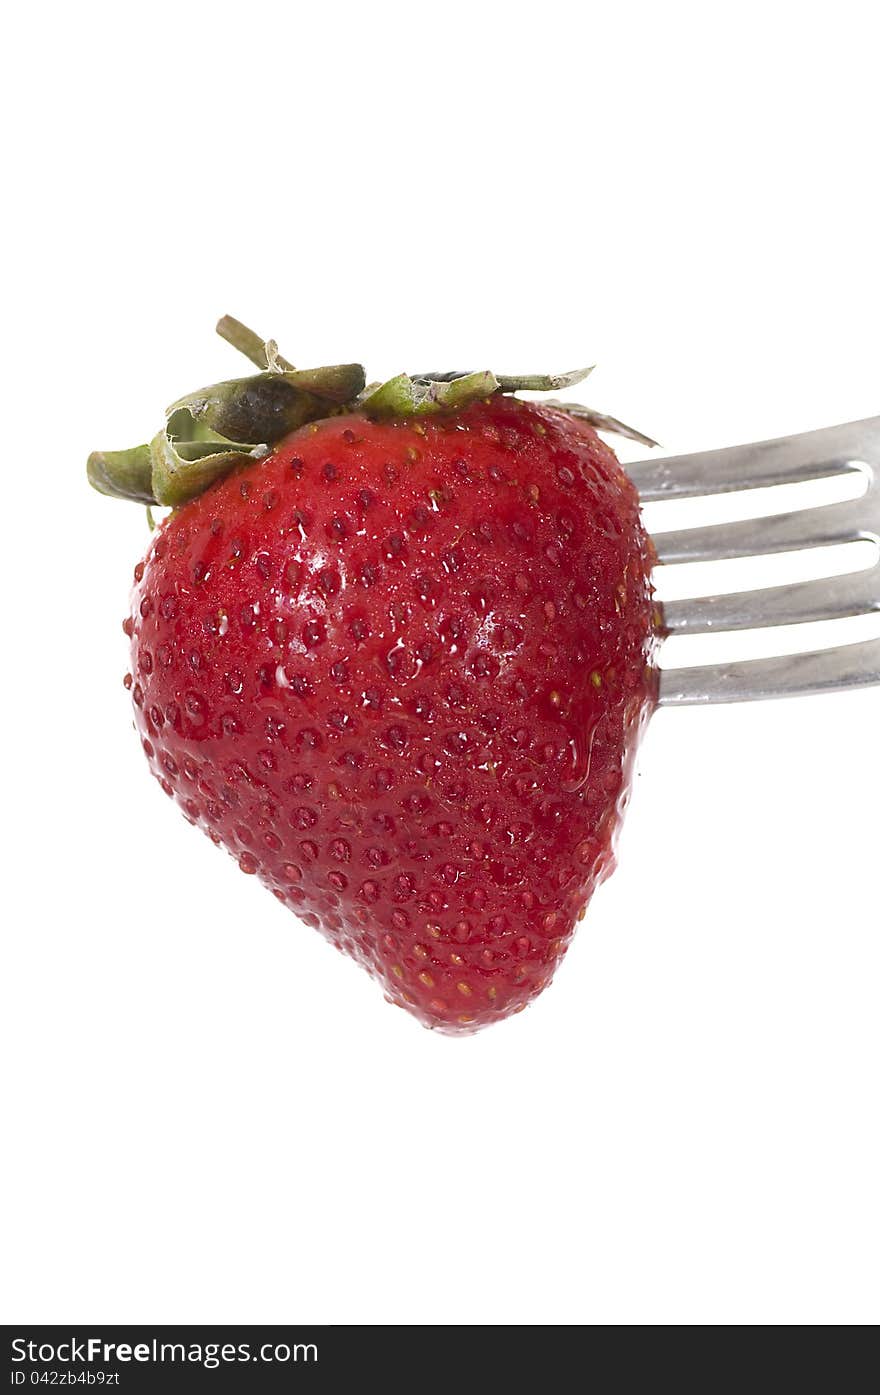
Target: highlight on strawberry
pixel 393 648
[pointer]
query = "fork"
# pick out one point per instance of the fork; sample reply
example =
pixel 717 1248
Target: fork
pixel 812 455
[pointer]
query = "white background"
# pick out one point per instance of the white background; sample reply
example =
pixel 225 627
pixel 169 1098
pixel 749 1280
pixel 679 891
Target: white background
pixel 212 1117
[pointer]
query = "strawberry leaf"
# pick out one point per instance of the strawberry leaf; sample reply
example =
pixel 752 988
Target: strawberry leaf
pixel 181 470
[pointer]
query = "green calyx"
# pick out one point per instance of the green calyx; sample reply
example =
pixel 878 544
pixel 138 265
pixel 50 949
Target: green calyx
pixel 213 431
pixel 165 471
pixel 271 405
pixel 430 393
pixel 181 461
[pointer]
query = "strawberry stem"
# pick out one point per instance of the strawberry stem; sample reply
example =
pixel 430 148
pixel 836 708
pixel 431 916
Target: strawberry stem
pixel 249 343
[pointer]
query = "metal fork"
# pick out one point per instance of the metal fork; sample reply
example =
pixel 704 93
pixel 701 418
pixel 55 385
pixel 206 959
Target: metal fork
pixel 836 450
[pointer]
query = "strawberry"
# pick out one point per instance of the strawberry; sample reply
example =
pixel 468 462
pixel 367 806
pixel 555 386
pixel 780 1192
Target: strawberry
pixel 396 659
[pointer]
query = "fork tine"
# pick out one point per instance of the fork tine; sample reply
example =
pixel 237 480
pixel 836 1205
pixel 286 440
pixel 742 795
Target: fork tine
pixel 832 598
pixel 812 455
pixel 782 532
pixel 795 675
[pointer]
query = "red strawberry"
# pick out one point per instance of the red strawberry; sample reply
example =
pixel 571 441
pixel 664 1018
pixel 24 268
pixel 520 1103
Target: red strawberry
pixel 398 667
